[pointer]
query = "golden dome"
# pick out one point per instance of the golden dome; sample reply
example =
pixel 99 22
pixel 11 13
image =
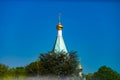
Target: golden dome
pixel 59 27
pixel 80 68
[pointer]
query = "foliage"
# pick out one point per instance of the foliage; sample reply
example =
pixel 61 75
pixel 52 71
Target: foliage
pixel 20 71
pixel 51 63
pixel 89 76
pixel 106 73
pixel 34 68
pixel 3 70
pixel 58 63
pixel 16 72
pixel 103 73
pixel 6 72
pixel 11 72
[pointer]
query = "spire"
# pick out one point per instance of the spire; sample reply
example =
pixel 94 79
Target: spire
pixel 59 18
pixel 59 25
pixel 59 43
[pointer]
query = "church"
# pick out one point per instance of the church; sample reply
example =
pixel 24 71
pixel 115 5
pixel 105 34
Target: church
pixel 59 45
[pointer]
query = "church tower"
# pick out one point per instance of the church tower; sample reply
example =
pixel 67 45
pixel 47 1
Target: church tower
pixel 59 45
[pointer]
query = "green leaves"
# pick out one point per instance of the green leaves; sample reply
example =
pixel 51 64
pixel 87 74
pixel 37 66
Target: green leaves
pixel 106 73
pixel 3 70
pixel 33 68
pixel 59 63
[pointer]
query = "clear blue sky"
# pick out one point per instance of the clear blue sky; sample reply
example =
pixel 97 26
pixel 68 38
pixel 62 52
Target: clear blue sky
pixel 28 28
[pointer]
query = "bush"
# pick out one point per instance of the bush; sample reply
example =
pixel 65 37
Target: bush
pixel 63 64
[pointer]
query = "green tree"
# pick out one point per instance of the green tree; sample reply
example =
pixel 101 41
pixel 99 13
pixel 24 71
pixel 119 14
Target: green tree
pixel 33 68
pixel 59 63
pixel 11 72
pixel 89 76
pixel 3 70
pixel 106 73
pixel 16 72
pixel 20 71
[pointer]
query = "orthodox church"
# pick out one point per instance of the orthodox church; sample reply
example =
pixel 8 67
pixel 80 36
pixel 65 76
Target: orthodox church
pixel 60 46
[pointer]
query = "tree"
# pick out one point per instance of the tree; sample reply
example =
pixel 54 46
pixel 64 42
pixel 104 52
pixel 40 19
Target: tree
pixel 106 73
pixel 16 72
pixel 34 68
pixel 89 76
pixel 59 63
pixel 11 72
pixel 20 71
pixel 3 70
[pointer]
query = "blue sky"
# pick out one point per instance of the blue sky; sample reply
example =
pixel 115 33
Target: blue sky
pixel 28 28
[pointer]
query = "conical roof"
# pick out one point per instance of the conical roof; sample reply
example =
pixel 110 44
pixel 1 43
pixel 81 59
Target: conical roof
pixel 59 45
